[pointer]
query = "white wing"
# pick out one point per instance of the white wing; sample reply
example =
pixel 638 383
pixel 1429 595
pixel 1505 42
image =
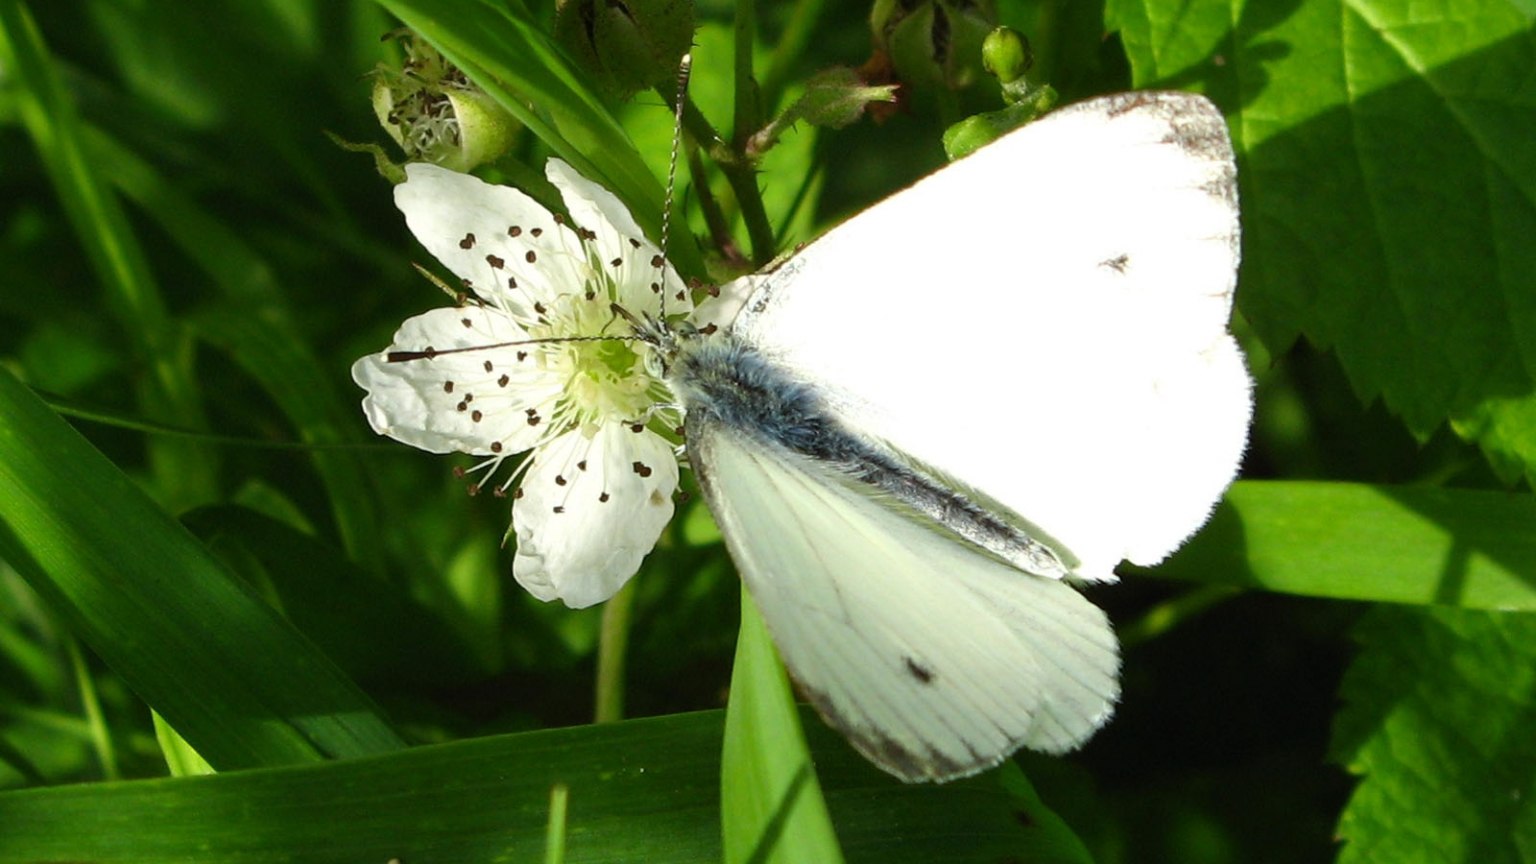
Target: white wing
pixel 934 659
pixel 1044 320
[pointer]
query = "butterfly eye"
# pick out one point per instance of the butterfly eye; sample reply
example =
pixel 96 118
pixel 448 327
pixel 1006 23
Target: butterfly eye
pixel 655 363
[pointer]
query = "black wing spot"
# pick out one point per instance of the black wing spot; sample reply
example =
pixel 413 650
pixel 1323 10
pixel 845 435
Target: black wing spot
pixel 922 673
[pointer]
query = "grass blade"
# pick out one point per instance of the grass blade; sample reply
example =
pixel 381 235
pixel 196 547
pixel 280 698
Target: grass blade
pixel 241 685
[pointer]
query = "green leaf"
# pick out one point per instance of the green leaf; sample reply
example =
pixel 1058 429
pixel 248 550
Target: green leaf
pixel 639 790
pixel 1438 719
pixel 224 670
pixel 1050 838
pixel 1389 192
pixel 180 758
pixel 771 803
pixel 1353 541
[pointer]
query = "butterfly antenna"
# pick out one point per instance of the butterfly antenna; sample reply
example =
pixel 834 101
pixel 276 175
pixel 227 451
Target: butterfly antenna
pixel 684 66
pixel 430 353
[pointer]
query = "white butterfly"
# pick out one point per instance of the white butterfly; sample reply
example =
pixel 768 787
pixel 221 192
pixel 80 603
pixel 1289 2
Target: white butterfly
pixel 1021 363
pixel 922 428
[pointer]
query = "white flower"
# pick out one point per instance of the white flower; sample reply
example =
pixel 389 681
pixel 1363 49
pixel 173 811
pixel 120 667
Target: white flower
pixel 596 490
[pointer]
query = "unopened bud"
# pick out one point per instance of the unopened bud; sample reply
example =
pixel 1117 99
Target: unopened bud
pixel 627 45
pixel 1005 53
pixel 934 43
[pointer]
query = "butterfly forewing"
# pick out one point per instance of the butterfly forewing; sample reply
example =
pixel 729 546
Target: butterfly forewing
pixel 1044 320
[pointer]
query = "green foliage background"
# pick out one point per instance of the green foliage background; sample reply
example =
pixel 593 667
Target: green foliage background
pixel 210 566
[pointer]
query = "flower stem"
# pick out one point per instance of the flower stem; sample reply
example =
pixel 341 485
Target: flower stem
pixel 612 646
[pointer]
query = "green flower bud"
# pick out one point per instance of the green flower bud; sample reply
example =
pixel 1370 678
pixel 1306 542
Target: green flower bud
pixel 1005 53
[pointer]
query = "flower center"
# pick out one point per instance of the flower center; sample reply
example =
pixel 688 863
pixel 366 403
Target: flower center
pixel 605 378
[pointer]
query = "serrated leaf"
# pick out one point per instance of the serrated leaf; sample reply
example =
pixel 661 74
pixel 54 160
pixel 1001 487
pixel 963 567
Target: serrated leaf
pixel 1438 719
pixel 1389 191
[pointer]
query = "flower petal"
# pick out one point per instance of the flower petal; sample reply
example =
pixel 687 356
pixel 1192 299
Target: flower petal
pixel 591 205
pixel 619 239
pixel 504 245
pixel 724 301
pixel 471 402
pixel 589 510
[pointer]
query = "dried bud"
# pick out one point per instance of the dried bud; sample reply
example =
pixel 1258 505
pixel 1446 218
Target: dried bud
pixel 438 115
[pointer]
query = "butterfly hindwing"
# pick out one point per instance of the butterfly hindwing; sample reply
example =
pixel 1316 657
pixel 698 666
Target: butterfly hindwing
pixel 935 659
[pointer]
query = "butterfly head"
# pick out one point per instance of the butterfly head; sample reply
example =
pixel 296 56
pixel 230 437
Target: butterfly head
pixel 664 339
